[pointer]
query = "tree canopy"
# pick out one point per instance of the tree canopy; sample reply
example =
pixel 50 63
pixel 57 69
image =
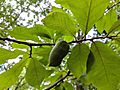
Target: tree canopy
pixel 30 32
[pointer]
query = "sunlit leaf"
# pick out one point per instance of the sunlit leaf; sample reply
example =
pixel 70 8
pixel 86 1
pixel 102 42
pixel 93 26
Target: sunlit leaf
pixel 107 21
pixel 21 46
pixel 10 77
pixel 34 1
pixel 78 59
pixel 24 33
pixel 87 12
pixel 60 22
pixel 68 38
pixel 105 70
pixel 7 54
pixel 117 40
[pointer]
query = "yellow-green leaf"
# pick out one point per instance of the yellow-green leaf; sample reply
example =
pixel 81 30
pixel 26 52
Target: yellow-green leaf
pixel 87 12
pixel 7 54
pixel 10 77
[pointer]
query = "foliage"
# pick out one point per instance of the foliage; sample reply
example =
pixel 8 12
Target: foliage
pixel 93 61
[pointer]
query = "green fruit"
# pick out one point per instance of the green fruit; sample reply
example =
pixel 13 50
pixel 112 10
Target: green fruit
pixel 58 52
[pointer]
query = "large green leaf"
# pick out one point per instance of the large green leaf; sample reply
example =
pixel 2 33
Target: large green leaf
pixel 60 22
pixel 107 21
pixel 7 54
pixel 36 73
pixel 77 60
pixel 10 77
pixel 87 12
pixel 105 70
pixel 24 33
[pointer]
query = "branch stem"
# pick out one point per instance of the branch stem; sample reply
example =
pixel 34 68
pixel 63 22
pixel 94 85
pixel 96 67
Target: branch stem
pixel 60 80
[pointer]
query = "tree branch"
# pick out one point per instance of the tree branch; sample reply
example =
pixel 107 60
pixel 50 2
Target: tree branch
pixel 25 43
pixel 49 44
pixel 60 80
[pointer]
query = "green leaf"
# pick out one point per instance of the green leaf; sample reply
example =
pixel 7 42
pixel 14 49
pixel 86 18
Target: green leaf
pixel 59 87
pixel 68 38
pixel 7 54
pixel 24 33
pixel 21 46
pixel 105 71
pixel 117 40
pixel 68 86
pixel 35 73
pixel 41 31
pixel 10 77
pixel 114 27
pixel 87 12
pixel 78 59
pixel 34 1
pixel 106 21
pixel 64 86
pixel 42 54
pixel 60 22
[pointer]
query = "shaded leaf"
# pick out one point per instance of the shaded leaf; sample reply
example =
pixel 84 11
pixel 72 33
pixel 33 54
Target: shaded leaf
pixel 7 54
pixel 41 31
pixel 35 73
pixel 78 59
pixel 90 61
pixel 105 70
pixel 87 12
pixel 10 77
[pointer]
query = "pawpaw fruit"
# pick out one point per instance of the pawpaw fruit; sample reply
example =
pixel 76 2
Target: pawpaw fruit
pixel 58 52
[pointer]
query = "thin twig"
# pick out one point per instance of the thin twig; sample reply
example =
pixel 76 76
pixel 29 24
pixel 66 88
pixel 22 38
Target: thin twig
pixel 30 52
pixel 91 39
pixel 114 5
pixel 18 84
pixel 60 80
